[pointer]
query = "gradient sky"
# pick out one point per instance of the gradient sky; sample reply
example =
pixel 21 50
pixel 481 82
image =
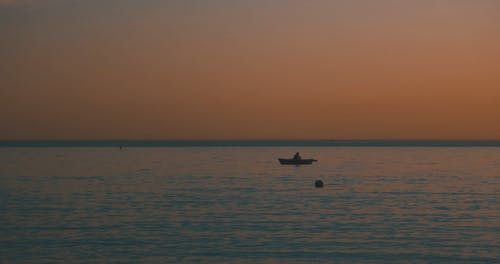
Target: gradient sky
pixel 226 69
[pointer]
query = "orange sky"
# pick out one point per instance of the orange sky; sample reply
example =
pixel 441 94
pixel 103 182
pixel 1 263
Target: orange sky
pixel 318 69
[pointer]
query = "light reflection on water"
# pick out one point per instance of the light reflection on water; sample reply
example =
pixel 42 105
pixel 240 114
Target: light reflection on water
pixel 210 204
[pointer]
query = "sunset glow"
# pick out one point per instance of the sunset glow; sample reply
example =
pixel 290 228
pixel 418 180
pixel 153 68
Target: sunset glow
pixel 249 69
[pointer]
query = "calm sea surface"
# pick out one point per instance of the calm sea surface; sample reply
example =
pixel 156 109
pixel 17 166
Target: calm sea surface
pixel 238 204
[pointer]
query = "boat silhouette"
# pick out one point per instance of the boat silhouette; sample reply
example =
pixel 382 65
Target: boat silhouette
pixel 296 161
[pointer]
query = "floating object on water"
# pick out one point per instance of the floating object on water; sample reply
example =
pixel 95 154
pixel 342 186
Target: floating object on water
pixel 296 161
pixel 318 184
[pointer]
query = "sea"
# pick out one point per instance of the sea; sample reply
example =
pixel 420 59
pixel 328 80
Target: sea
pixel 232 202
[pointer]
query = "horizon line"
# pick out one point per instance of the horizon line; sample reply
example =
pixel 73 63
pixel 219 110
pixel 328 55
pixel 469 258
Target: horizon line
pixel 253 143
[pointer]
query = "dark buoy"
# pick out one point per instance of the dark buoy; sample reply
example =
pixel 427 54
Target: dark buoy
pixel 318 184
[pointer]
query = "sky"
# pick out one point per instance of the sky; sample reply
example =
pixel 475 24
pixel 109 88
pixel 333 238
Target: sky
pixel 227 69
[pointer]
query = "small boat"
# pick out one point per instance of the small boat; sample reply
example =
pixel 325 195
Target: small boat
pixel 296 161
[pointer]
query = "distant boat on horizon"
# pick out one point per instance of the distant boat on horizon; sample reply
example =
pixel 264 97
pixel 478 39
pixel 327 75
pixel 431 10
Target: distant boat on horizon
pixel 296 160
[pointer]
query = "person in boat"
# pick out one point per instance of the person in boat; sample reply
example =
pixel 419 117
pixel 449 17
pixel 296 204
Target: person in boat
pixel 297 156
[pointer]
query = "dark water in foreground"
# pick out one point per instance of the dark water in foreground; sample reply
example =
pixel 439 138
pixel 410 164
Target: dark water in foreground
pixel 237 204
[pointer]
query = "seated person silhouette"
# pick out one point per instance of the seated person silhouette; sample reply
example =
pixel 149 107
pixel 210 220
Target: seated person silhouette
pixel 297 156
